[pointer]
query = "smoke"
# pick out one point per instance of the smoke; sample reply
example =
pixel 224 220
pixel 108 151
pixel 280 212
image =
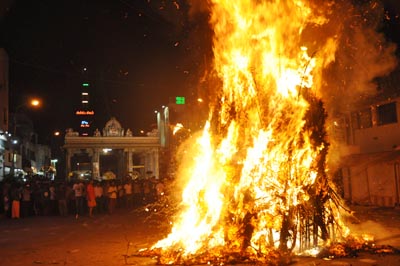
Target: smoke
pixel 363 54
pixel 198 7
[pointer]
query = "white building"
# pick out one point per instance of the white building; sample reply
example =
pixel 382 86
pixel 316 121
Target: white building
pixel 371 173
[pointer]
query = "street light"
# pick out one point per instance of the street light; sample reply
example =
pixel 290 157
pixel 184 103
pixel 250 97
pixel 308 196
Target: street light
pixel 34 102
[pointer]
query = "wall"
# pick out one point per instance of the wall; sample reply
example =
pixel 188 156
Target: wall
pixel 379 137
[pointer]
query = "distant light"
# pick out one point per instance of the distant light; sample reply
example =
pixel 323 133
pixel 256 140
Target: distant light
pixel 35 102
pixel 180 100
pixel 57 133
pixel 85 101
pixel 85 84
pixel 85 93
pixel 142 131
pixel 106 150
pixel 200 100
pixel 85 124
pixel 155 111
pixel 14 141
pixel 81 112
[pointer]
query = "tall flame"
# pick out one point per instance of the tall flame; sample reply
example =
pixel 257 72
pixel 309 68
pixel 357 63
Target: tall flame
pixel 258 181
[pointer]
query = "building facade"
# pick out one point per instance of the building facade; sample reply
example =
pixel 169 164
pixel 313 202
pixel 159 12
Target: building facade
pixel 24 155
pixel 370 173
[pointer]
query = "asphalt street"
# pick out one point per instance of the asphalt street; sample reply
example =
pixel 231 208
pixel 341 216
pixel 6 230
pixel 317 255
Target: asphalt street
pixel 114 239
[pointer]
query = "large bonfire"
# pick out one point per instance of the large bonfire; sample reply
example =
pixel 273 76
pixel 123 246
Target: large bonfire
pixel 258 186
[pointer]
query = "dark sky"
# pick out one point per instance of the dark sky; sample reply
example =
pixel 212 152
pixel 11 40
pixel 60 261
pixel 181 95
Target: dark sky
pixel 138 53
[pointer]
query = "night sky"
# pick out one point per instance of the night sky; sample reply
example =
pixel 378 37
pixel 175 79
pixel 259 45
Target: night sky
pixel 139 54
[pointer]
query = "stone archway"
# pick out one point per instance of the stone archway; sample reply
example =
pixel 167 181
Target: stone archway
pixel 128 153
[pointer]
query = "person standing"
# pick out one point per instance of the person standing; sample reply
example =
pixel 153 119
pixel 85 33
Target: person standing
pixel 137 193
pixel 99 196
pixel 16 195
pixel 121 194
pixel 71 205
pixel 37 199
pixel 6 199
pixel 46 199
pixel 105 185
pixel 53 200
pixel 146 191
pixel 26 201
pixel 61 195
pixel 160 189
pixel 128 194
pixel 78 189
pixel 91 197
pixel 112 197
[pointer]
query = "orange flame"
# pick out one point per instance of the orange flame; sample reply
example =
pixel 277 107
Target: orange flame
pixel 255 163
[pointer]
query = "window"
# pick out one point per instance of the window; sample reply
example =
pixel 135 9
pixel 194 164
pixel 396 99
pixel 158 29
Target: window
pixel 387 113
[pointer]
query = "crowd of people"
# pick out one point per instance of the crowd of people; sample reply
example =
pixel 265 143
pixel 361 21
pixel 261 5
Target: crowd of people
pixel 79 197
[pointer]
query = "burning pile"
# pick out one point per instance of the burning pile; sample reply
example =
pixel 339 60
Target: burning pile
pixel 257 185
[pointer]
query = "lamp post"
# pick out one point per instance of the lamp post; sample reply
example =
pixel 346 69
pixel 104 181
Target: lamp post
pixel 56 161
pixel 31 103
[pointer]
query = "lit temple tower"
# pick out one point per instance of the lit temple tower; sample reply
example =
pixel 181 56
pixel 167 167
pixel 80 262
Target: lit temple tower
pixel 85 113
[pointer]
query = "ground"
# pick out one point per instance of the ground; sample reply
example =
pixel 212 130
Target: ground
pixel 113 239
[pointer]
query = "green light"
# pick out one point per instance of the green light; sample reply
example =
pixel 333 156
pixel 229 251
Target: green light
pixel 85 84
pixel 180 100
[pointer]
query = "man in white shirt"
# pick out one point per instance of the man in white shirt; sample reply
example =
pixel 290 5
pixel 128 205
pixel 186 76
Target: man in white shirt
pixel 79 190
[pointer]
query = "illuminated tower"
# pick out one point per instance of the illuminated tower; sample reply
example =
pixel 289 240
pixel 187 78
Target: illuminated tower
pixel 85 113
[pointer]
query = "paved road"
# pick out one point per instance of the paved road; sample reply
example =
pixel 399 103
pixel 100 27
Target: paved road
pixel 107 239
pixel 103 240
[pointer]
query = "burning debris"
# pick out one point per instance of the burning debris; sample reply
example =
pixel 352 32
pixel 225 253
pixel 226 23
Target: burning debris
pixel 257 185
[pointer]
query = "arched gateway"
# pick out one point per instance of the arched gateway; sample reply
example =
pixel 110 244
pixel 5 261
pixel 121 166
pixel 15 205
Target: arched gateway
pixel 112 151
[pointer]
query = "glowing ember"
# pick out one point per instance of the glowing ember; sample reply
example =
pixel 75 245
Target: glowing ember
pixel 258 186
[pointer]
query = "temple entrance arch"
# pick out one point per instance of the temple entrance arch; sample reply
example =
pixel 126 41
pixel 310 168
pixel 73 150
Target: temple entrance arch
pixel 115 150
pixel 81 165
pixel 109 161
